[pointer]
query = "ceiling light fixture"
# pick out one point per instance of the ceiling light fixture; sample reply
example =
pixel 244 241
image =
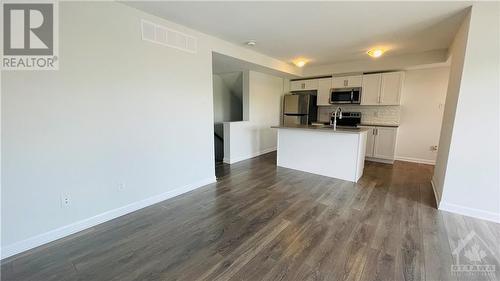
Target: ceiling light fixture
pixel 251 43
pixel 300 63
pixel 375 52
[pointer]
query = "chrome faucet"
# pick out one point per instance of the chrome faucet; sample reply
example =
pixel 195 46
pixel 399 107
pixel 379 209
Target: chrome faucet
pixel 338 111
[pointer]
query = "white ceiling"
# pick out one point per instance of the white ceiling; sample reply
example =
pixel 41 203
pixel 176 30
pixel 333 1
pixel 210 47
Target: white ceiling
pixel 324 32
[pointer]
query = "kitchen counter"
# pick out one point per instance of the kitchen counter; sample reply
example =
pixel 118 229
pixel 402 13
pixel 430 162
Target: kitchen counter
pixel 379 125
pixel 323 128
pixel 322 150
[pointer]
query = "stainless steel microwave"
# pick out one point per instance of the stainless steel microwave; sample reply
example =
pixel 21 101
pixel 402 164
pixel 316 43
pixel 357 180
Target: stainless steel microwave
pixel 345 95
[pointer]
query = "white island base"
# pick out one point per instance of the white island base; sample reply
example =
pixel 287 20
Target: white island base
pixel 323 151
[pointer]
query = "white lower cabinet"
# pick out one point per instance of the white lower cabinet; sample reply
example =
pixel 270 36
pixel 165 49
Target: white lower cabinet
pixel 385 143
pixel 370 141
pixel 381 143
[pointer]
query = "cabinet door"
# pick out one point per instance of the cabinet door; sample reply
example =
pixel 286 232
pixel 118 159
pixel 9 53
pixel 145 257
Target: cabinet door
pixel 385 143
pixel 370 93
pixel 297 85
pixel 311 84
pixel 347 81
pixel 370 141
pixel 355 81
pixel 324 86
pixel 304 85
pixel 390 90
pixel 340 82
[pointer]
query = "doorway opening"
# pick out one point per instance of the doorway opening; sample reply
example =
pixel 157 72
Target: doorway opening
pixel 228 106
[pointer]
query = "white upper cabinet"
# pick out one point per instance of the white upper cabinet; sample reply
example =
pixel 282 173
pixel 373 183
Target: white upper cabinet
pixel 382 88
pixel 324 86
pixel 304 85
pixel 370 92
pixel 347 81
pixel 390 93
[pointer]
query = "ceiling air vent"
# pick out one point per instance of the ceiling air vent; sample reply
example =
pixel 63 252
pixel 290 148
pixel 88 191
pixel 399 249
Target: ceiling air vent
pixel 158 34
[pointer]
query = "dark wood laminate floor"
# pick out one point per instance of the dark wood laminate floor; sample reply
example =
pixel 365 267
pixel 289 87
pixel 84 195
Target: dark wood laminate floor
pixel 261 222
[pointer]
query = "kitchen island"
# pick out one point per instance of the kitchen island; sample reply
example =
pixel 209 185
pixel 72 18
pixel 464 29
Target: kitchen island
pixel 322 150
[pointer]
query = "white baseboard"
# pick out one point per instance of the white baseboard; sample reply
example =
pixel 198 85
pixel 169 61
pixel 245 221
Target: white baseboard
pixel 416 160
pixel 233 160
pixel 379 160
pixel 75 227
pixel 470 212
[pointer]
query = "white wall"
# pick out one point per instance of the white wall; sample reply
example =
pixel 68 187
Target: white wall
pixel 118 111
pixel 467 169
pixel 250 138
pixel 422 104
pixel 457 53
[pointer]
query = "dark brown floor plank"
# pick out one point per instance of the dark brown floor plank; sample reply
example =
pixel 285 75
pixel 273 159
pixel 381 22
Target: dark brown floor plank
pixel 262 222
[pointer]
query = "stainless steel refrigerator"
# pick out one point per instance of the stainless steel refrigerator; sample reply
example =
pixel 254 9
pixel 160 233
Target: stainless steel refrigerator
pixel 299 108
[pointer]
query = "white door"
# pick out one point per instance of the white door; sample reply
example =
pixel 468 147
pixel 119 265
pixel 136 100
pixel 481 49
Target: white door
pixel 390 90
pixel 370 141
pixel 324 86
pixel 370 92
pixel 385 143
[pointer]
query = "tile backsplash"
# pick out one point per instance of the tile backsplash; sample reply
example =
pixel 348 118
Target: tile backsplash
pixel 388 114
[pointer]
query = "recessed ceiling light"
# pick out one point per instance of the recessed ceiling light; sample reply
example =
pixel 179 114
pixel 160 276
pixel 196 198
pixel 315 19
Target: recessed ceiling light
pixel 375 52
pixel 251 43
pixel 300 63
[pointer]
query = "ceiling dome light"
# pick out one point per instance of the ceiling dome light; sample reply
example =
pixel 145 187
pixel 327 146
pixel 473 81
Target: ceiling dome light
pixel 375 53
pixel 300 63
pixel 251 43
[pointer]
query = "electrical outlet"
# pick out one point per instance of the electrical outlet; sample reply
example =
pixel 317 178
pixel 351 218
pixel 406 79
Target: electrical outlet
pixel 65 200
pixel 434 148
pixel 121 186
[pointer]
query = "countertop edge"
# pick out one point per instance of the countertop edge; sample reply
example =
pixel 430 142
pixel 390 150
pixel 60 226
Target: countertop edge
pixel 380 125
pixel 312 128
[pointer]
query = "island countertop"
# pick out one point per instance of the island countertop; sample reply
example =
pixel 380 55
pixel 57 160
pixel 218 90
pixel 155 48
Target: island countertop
pixel 343 130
